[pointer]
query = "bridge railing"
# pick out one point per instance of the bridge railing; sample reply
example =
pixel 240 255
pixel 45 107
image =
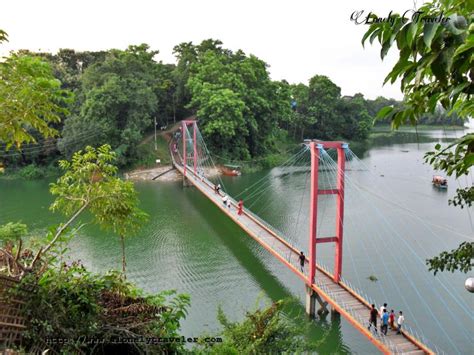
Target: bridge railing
pixel 363 321
pixel 407 329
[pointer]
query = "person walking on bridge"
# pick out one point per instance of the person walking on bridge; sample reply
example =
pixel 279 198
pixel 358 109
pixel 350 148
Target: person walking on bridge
pixel 240 207
pixel 302 260
pixel 400 321
pixel 373 317
pixel 217 189
pixel 391 320
pixel 381 312
pixel 385 322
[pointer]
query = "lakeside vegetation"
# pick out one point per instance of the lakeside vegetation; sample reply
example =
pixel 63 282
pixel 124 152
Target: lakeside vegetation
pixel 114 97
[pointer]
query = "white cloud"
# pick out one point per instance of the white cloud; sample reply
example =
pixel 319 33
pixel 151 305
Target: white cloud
pixel 298 39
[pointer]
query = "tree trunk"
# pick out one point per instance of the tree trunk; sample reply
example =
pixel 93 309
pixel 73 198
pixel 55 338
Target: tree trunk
pixel 124 264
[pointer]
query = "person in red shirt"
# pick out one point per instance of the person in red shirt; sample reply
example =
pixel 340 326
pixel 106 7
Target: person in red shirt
pixel 240 206
pixel 391 320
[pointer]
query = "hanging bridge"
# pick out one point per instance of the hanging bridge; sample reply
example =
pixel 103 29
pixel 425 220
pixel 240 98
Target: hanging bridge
pixel 324 287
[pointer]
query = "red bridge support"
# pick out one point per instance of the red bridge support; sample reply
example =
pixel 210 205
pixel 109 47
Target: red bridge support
pixel 184 125
pixel 316 148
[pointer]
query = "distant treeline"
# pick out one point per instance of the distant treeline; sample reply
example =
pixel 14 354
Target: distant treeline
pixel 440 117
pixel 118 95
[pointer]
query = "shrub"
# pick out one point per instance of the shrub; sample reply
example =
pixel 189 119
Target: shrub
pixel 32 172
pixel 71 303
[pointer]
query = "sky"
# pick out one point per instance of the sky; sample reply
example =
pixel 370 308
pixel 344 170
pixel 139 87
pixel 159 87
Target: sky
pixel 298 39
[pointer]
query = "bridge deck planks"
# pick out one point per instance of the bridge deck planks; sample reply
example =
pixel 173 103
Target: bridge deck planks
pixel 360 310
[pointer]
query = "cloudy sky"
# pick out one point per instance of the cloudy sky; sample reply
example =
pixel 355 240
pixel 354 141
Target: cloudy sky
pixel 298 38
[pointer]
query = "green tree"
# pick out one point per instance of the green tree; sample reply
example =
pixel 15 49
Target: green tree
pixel 356 121
pixel 435 66
pixel 323 98
pixel 239 107
pixel 301 120
pixel 31 99
pixel 122 96
pixel 90 182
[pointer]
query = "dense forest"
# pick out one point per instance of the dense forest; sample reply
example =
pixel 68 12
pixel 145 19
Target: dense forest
pixel 116 96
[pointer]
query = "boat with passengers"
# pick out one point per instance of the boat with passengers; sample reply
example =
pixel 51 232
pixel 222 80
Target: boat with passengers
pixel 440 182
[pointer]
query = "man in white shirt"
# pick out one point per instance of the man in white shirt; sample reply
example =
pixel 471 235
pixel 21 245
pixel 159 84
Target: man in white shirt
pixel 400 321
pixel 381 312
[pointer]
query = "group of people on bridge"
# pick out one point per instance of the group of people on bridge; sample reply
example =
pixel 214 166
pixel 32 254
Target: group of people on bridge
pixel 386 319
pixel 226 200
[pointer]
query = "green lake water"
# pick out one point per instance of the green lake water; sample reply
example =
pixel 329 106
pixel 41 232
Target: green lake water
pixel 395 219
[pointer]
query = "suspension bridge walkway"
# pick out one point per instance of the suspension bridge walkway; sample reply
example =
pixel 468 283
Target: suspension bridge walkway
pixel 322 287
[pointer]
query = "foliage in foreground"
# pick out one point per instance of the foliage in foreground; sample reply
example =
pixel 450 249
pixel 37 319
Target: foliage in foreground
pixel 435 66
pixel 456 259
pixel 68 302
pixel 263 331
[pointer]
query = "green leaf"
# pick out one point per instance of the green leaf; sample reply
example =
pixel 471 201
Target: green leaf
pixel 411 33
pixel 374 34
pixel 371 29
pixel 384 112
pixel 401 37
pixel 429 31
pixel 466 46
pixel 438 67
pixel 387 45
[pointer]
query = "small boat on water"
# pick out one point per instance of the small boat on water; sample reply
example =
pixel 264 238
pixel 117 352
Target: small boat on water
pixel 231 170
pixel 440 182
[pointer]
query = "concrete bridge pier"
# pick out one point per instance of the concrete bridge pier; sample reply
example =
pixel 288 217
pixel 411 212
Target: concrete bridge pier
pixel 312 300
pixel 186 182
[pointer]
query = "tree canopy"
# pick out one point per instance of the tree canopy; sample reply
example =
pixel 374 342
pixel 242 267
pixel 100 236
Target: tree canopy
pixel 120 94
pixel 32 100
pixel 238 105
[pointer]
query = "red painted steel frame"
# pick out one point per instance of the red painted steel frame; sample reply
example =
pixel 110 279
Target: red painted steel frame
pixel 313 212
pixel 315 192
pixel 341 164
pixel 184 124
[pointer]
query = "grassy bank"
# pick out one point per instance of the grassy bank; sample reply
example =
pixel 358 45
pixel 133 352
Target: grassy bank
pixel 148 155
pixel 31 172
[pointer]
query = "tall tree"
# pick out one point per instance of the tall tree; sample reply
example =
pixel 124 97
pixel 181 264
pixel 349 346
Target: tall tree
pixel 323 98
pixel 90 182
pixel 237 103
pixel 31 99
pixel 121 101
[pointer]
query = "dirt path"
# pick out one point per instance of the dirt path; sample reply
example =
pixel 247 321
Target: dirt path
pixel 149 174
